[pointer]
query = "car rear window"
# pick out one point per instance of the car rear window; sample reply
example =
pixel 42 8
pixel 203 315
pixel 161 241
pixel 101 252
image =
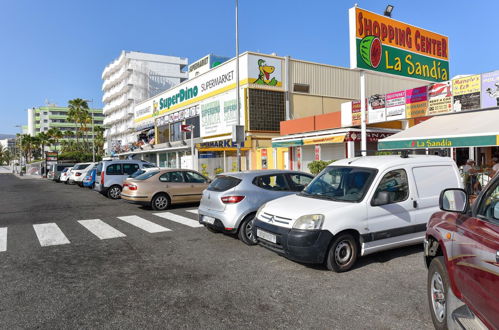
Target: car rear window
pixel 81 166
pixel 223 183
pixel 146 175
pixel 61 167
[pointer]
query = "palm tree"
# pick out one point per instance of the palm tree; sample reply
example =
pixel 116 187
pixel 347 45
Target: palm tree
pixel 27 145
pixel 78 114
pixel 43 139
pixel 55 135
pixel 99 140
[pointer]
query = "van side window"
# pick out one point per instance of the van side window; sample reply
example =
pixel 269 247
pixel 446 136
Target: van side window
pixel 114 169
pixel 396 184
pixel 130 168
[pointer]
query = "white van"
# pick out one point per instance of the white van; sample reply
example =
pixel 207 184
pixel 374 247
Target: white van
pixel 355 207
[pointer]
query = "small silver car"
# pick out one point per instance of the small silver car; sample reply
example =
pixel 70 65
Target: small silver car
pixel 231 201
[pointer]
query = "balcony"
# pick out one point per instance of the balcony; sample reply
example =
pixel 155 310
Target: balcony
pixel 116 78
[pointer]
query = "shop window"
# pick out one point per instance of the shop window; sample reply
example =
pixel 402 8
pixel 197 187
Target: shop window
pixel 163 134
pixel 266 109
pixel 193 121
pixel 176 131
pixel 301 88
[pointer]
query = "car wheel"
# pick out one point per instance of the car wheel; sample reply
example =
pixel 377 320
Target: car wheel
pixel 211 229
pixel 114 192
pixel 437 291
pixel 245 233
pixel 160 202
pixel 342 254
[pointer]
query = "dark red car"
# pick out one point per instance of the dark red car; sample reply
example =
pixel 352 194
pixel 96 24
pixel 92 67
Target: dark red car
pixel 462 256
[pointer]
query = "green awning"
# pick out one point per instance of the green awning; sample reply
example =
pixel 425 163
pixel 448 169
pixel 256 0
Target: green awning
pixel 286 144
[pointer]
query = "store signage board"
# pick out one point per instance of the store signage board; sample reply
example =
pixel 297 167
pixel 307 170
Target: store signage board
pixel 219 114
pixel 395 106
pixel 51 156
pixel 326 139
pixel 286 144
pixel 466 92
pixel 377 109
pixel 439 98
pixel 451 142
pixel 416 102
pixel 490 89
pixel 382 44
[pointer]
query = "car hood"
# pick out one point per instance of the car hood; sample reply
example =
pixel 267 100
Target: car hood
pixel 294 206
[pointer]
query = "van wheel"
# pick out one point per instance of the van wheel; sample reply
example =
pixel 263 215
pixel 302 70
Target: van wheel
pixel 245 233
pixel 114 192
pixel 437 292
pixel 160 202
pixel 342 254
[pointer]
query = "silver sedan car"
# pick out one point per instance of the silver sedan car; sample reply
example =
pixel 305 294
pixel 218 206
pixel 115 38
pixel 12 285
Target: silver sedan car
pixel 231 201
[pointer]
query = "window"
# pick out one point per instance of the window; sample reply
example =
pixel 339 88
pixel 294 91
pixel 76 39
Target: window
pixel 163 134
pixel 175 131
pixel 266 109
pixel 223 183
pixel 145 175
pixel 130 168
pixel 114 169
pixel 193 121
pixel 193 177
pixel 172 177
pixel 489 205
pixel 396 184
pixel 148 165
pixel 299 181
pixel 431 180
pixel 271 182
pixel 301 88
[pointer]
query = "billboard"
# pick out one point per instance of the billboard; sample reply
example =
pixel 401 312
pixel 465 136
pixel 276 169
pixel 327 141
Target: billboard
pixel 490 89
pixel 416 102
pixel 439 98
pixel 395 106
pixel 376 110
pixel 380 43
pixel 466 92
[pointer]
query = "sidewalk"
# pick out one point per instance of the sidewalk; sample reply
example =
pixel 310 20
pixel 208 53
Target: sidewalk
pixel 27 176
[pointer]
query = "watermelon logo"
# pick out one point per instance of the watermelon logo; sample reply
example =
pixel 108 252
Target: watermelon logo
pixel 413 144
pixel 371 51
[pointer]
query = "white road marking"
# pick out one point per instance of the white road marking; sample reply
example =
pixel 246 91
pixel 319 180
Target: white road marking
pixel 179 219
pixel 195 211
pixel 101 229
pixel 3 239
pixel 50 234
pixel 143 224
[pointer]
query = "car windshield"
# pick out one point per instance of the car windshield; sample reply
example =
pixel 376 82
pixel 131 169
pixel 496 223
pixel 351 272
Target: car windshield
pixel 146 175
pixel 341 183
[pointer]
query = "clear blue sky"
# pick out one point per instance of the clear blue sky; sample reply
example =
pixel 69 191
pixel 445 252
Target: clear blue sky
pixel 56 50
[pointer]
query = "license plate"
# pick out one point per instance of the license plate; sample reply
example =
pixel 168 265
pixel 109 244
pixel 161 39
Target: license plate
pixel 209 220
pixel 266 236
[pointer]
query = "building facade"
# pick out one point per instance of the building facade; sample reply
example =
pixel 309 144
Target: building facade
pixel 129 79
pixel 41 119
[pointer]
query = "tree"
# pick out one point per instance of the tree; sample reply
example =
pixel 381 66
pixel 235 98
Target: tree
pixel 79 115
pixel 43 140
pixel 99 140
pixel 27 143
pixel 55 135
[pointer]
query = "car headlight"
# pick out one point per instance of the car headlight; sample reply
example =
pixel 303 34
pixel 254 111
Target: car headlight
pixel 309 222
pixel 260 210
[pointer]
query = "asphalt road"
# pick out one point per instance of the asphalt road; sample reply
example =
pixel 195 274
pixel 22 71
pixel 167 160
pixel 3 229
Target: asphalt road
pixel 183 278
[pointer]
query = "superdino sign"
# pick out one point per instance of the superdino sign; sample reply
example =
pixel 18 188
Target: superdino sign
pixel 380 43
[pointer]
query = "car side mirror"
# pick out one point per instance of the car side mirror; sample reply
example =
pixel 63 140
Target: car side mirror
pixel 382 198
pixel 454 200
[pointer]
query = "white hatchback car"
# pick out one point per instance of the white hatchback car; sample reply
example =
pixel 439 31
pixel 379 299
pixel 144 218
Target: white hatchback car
pixel 355 207
pixel 79 171
pixel 65 174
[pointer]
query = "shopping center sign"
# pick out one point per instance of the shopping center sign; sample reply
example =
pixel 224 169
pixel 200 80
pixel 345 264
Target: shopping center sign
pixel 379 43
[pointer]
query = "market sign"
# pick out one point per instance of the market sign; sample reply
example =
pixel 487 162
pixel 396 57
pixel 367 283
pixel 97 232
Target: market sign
pixel 439 98
pixel 382 44
pixel 371 136
pixel 51 156
pixel 416 102
pixel 490 89
pixel 466 92
pixel 450 142
pixel 326 139
pixel 395 106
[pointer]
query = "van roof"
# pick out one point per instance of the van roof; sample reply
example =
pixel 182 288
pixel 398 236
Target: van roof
pixel 382 162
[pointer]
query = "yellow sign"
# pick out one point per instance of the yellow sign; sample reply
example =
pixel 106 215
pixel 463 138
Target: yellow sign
pixel 466 85
pixel 327 139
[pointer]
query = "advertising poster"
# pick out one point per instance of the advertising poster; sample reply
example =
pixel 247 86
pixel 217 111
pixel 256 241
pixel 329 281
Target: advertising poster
pixel 395 106
pixel 416 102
pixel 466 92
pixel 356 114
pixel 377 110
pixel 439 98
pixel 382 44
pixel 490 89
pixel 265 71
pixel 218 114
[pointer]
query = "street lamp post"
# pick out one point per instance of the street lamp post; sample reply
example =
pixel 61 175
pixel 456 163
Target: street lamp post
pixel 238 106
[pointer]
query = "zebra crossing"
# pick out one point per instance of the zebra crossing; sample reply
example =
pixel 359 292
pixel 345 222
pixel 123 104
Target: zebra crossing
pixel 50 234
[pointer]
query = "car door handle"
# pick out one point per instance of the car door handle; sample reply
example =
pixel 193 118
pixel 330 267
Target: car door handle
pixel 415 204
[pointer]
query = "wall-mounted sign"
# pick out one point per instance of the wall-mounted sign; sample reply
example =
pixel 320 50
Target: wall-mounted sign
pixel 439 98
pixel 178 116
pixel 470 141
pixel 490 89
pixel 371 136
pixel 466 92
pixel 51 156
pixel 416 102
pixel 380 43
pixel 395 106
pixel 317 151
pixel 377 110
pixel 219 113
pixel 325 139
pixel 265 71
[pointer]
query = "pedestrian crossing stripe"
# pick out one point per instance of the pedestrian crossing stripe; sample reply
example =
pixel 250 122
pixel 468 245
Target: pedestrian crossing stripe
pixel 101 229
pixel 3 239
pixel 180 219
pixel 195 211
pixel 50 234
pixel 143 224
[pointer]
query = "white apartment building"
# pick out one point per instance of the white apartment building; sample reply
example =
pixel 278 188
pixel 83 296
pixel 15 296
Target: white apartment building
pixel 129 79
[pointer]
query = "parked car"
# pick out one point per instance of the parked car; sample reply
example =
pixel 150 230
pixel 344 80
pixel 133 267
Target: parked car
pixel 57 170
pixel 356 207
pixel 462 256
pixel 230 202
pixel 65 174
pixel 79 171
pixel 161 188
pixel 141 171
pixel 89 179
pixel 111 174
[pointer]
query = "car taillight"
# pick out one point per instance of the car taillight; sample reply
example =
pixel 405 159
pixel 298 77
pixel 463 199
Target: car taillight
pixel 102 178
pixel 131 186
pixel 77 174
pixel 232 199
